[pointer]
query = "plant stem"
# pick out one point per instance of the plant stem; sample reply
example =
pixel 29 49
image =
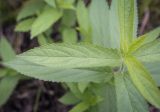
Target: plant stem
pixel 35 109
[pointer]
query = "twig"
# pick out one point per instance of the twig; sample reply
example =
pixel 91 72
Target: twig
pixel 145 21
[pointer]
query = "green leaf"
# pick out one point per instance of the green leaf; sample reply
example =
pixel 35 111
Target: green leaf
pixel 114 26
pixel 69 35
pixel 66 4
pixel 6 50
pixel 69 99
pixel 83 18
pixel 108 93
pixel 99 17
pixel 91 99
pixel 73 87
pixel 127 19
pixel 58 75
pixel 92 109
pixel 42 40
pixel 107 25
pixel 3 72
pixel 45 20
pixel 143 81
pixel 63 56
pixel 154 69
pixel 151 36
pixel 128 97
pixel 7 85
pixel 83 86
pixel 25 25
pixel 31 7
pixel 51 3
pixel 81 107
pixel 83 21
pixel 69 18
pixel 149 52
pixel 144 39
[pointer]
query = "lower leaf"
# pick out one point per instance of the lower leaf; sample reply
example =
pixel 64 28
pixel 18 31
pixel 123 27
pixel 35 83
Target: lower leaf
pixel 107 92
pixel 81 107
pixel 7 85
pixel 128 98
pixel 143 81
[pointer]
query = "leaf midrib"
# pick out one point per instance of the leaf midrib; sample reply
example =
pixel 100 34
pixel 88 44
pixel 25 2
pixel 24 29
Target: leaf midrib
pixel 71 57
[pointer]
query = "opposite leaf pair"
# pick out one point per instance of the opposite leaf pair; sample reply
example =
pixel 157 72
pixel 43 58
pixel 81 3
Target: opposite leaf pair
pixel 77 63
